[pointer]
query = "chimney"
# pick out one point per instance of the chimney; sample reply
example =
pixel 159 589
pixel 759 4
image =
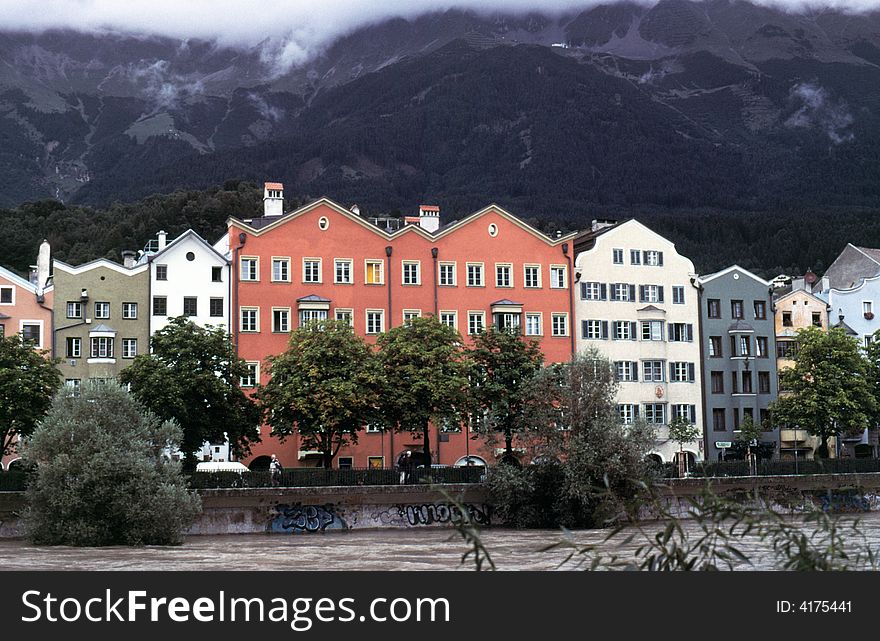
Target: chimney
pixel 43 266
pixel 356 210
pixel 128 257
pixel 429 217
pixel 273 199
pixel 163 239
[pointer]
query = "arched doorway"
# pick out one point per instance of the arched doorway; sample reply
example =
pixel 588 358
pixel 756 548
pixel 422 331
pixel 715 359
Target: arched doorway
pixel 690 461
pixel 470 461
pixel 260 464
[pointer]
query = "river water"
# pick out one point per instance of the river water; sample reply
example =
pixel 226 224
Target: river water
pixel 403 549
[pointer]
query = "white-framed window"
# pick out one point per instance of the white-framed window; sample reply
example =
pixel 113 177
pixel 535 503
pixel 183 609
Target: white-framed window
pixel 652 371
pixel 311 270
pixel 449 318
pixel 32 332
pixel 677 295
pixel 653 258
pixel 215 307
pixel 250 319
pixel 251 376
pixel 102 309
pixel 280 269
pixel 617 256
pixel 281 319
pixel 685 411
pixel 654 413
pixel 592 290
pixel 7 295
pixel 345 316
pixel 411 272
pixel 342 271
pixel 560 324
pixel 476 322
pixel 74 347
pixel 623 330
pixel 652 293
pixel 532 276
pixel 101 347
pixel 409 314
pixel 190 306
pixel 680 372
pixel 161 272
pixel 559 276
pixel 72 385
pixel 652 330
pixel 635 257
pixel 74 309
pixel 681 332
pixel 160 305
pixel 129 311
pixel 503 275
pixel 623 292
pixel 129 347
pixel 533 324
pixel 475 275
pixel 250 268
pixel 593 329
pixel 374 272
pixel 375 321
pixel 446 275
pixel 627 371
pixel 627 412
pixel 508 321
pixel 867 307
pixel 309 315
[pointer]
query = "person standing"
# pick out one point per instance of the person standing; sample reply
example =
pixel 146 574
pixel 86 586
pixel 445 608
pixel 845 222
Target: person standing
pixel 275 469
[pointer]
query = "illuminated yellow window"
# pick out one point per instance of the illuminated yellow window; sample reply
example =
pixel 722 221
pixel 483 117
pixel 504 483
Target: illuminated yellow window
pixel 374 272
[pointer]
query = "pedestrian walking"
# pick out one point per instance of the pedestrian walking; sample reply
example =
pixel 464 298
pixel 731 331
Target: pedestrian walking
pixel 275 469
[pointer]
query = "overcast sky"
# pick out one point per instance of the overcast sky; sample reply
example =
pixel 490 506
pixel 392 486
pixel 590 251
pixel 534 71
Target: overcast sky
pixel 299 26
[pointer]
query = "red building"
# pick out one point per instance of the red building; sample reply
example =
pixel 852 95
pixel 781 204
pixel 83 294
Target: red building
pixel 326 261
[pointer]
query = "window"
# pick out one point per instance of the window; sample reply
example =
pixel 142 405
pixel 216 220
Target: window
pixel 652 371
pixel 763 382
pixel 161 272
pixel 449 319
pixel 532 275
pixel 215 307
pixel 73 385
pixel 627 412
pixel 594 291
pixel 715 349
pixel 476 322
pixel 129 347
pixel 447 274
pixel 345 316
pixel 560 324
pixel 74 309
pixel 102 309
pixel 6 296
pixel 594 329
pixel 867 340
pixel 250 319
pixel 765 419
pixel 745 346
pixel 623 292
pixel 374 272
pixel 635 257
pixel 251 375
pixel 311 270
pixel 736 309
pixel 653 258
pixel 411 274
pixel 717 382
pixel 129 311
pixel 677 295
pixel 681 332
pixel 342 271
pixel 160 306
pixel 74 347
pixel 373 428
pixel 762 346
pixel 747 383
pixel 190 306
pixel 651 293
pixel 375 321
pixel 409 314
pixel 558 276
pixel 719 422
pixel 617 256
pixel 734 383
pixel 503 275
pixel 687 412
pixel 714 308
pixel 280 270
pixel 626 371
pixel 652 330
pixel 2 329
pixel 102 347
pixel 281 319
pixel 817 319
pixel 507 321
pixel 475 274
pixel 250 268
pixel 786 319
pixel 682 372
pixel 655 413
pixel 216 274
pixel 308 315
pixel 760 310
pixel 624 330
pixel 345 462
pixel 533 324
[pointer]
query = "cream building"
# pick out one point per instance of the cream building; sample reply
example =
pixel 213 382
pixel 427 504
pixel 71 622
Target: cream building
pixel 636 302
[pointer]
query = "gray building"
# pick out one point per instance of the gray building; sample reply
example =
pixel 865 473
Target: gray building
pixel 738 337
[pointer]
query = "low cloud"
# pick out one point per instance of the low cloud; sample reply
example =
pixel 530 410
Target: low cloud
pixel 816 109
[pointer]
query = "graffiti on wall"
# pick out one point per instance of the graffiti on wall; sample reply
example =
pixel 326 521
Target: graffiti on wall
pixel 837 502
pixel 439 513
pixel 301 519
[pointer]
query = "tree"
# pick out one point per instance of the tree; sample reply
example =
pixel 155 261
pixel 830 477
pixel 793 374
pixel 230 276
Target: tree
pixel 324 387
pixel 682 431
pixel 749 432
pixel 504 367
pixel 102 475
pixel 424 376
pixel 192 376
pixel 829 390
pixel 28 381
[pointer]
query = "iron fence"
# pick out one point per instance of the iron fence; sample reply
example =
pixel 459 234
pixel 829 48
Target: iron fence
pixel 776 468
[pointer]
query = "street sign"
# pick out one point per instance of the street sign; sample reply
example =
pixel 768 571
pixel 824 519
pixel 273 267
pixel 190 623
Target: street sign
pixel 723 445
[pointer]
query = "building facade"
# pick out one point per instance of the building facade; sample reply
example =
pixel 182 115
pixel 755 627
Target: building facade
pixel 638 304
pixel 101 317
pixel 738 335
pixel 326 261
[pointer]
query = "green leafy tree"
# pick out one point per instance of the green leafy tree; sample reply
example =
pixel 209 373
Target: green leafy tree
pixel 682 431
pixel 749 432
pixel 102 473
pixel 424 376
pixel 28 381
pixel 192 376
pixel 504 369
pixel 324 387
pixel 829 390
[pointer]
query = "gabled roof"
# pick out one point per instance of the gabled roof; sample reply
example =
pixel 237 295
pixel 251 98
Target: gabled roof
pixel 740 326
pixel 724 272
pixel 18 280
pixel 805 292
pixel 100 262
pixel 259 226
pixel 849 330
pixel 189 233
pixel 312 298
pixel 103 328
pixel 504 301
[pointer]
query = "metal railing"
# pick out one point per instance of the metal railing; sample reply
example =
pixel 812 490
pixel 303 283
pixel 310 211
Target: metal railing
pixel 776 467
pixel 320 477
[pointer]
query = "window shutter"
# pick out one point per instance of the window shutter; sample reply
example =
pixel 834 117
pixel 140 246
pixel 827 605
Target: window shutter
pixel 641 293
pixel 692 411
pixel 604 330
pixel 669 330
pixel 660 258
pixel 660 294
pixel 634 367
pixel 644 257
pixel 635 411
pixel 584 325
pixel 613 291
pixel 583 291
pixel 603 291
pixel 691 373
pixel 671 371
pixel 633 329
pixel 632 292
pixel 690 333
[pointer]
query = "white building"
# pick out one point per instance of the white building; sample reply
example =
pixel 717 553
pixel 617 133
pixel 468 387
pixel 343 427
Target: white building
pixel 636 302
